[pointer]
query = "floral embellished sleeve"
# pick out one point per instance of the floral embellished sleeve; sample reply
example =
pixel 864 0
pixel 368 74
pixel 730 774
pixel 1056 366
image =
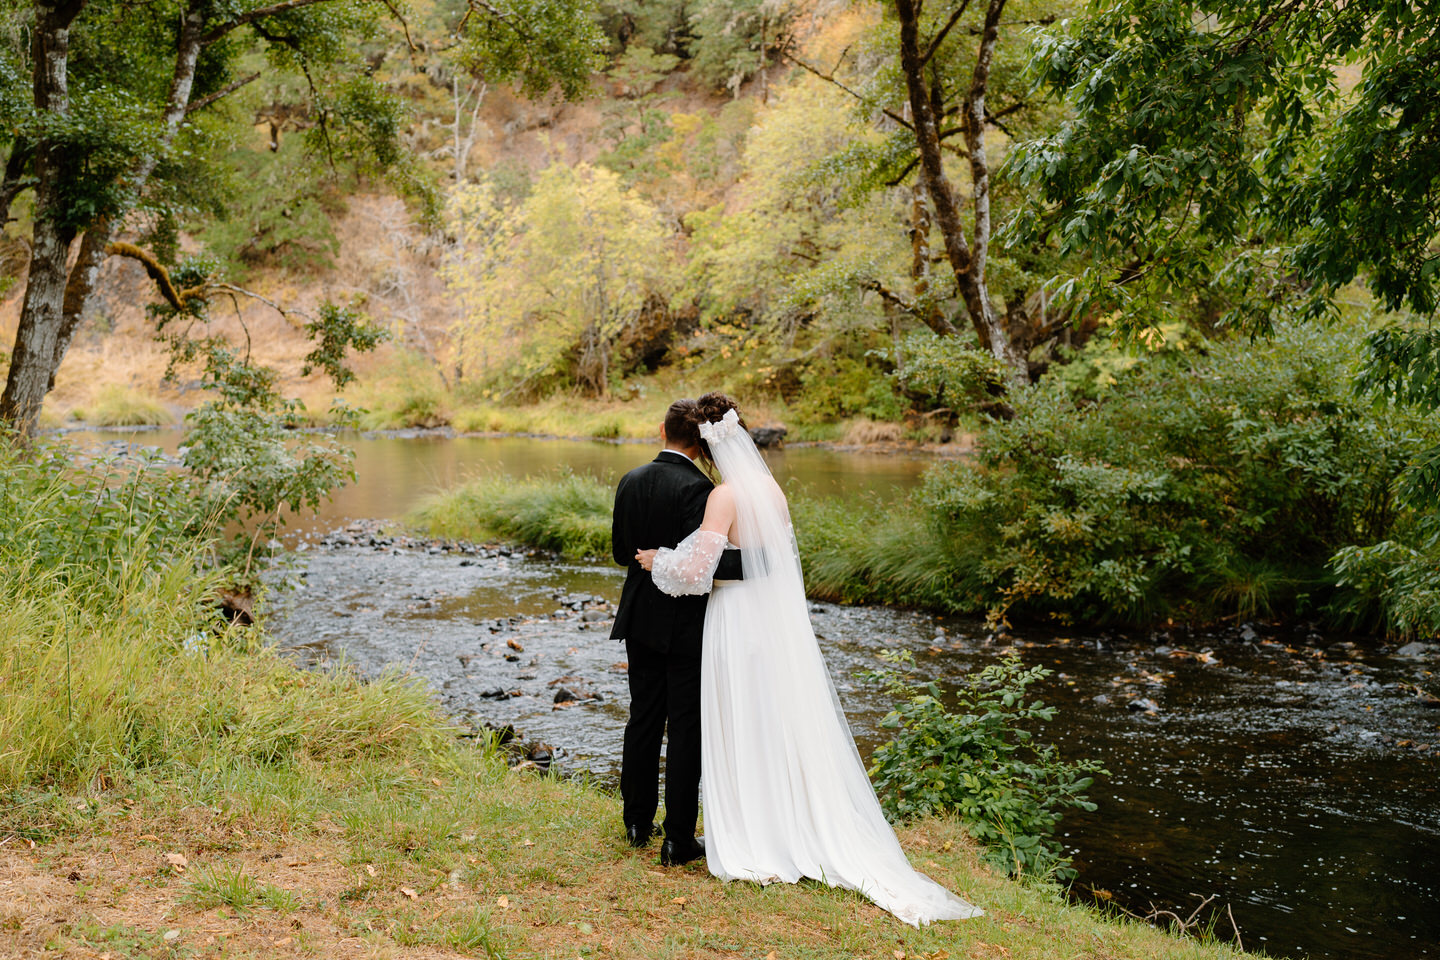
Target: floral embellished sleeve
pixel 689 569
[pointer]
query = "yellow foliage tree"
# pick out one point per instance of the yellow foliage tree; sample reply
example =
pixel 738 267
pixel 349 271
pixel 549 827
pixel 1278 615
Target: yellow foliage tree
pixel 548 286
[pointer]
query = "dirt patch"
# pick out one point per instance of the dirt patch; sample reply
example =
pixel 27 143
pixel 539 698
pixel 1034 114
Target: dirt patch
pixel 133 892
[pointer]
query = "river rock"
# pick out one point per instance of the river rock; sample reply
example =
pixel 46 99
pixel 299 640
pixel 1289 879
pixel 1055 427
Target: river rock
pixel 592 616
pixel 1144 703
pixel 564 695
pixel 768 436
pixel 1415 650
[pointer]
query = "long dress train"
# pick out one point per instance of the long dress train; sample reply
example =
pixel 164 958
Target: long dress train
pixel 785 792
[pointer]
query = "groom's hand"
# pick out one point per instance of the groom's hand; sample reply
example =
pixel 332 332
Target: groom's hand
pixel 646 558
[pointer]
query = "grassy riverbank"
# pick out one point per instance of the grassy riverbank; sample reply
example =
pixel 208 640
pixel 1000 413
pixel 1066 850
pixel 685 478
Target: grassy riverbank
pixel 169 787
pixel 330 818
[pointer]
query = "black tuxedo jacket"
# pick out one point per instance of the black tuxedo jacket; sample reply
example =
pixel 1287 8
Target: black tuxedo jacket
pixel 658 505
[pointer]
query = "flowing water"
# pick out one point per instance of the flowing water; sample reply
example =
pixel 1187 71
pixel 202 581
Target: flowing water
pixel 1293 777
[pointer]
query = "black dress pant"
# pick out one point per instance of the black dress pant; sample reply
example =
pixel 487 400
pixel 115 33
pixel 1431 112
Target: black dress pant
pixel 664 691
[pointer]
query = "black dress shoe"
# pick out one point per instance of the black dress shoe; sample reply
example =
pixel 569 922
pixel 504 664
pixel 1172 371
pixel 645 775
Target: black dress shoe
pixel 639 834
pixel 675 852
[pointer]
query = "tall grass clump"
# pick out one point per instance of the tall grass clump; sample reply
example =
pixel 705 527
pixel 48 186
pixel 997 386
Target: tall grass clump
pixel 114 658
pixel 116 405
pixel 568 513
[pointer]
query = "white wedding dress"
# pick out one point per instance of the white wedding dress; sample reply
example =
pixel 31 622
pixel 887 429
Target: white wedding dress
pixel 786 795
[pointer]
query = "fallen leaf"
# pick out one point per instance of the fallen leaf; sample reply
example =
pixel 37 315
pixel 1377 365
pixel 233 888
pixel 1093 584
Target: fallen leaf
pixel 436 781
pixel 409 893
pixel 680 900
pixel 503 903
pixel 370 869
pixel 947 845
pixel 177 860
pixel 150 836
pixel 770 955
pixel 284 941
pixel 527 843
pixel 515 645
pixel 172 935
pixel 898 954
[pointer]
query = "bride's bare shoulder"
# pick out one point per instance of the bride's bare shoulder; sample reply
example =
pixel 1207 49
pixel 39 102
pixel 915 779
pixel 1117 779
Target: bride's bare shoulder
pixel 722 494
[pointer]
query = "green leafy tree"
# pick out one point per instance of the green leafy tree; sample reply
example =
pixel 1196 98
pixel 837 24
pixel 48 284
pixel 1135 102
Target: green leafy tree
pixel 1263 155
pixel 114 115
pixel 635 123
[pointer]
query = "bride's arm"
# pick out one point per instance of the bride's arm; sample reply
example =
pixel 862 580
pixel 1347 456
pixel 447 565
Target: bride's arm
pixel 690 567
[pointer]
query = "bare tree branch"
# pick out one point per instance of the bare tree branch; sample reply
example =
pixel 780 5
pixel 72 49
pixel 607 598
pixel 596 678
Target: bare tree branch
pixel 224 91
pixel 944 31
pixel 832 79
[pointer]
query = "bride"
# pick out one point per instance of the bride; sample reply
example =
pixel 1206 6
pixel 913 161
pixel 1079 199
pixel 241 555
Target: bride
pixel 786 795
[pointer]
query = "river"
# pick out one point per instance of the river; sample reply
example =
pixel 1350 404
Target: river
pixel 1290 775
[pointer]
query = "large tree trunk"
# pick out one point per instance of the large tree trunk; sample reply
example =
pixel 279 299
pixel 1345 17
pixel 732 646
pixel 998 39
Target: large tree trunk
pixel 42 314
pixel 55 299
pixel 968 262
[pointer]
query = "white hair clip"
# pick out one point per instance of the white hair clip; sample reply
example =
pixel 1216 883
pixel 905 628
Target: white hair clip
pixel 724 429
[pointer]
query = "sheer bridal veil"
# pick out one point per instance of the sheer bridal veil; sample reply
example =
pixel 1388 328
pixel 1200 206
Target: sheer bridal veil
pixel 827 820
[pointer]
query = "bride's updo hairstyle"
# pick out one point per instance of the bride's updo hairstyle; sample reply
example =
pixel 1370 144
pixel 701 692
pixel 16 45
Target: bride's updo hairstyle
pixel 712 408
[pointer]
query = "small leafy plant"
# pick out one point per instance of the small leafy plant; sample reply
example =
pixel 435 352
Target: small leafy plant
pixel 977 761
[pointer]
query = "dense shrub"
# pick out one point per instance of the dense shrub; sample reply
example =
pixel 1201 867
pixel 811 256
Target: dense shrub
pixel 1202 483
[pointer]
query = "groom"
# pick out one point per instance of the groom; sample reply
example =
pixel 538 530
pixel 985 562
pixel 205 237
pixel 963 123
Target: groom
pixel 658 505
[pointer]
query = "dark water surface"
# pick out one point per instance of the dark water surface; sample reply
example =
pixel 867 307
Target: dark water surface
pixel 1283 774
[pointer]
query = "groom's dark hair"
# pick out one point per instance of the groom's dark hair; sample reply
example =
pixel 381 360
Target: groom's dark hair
pixel 682 424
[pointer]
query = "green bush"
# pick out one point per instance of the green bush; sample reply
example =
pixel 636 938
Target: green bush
pixel 1202 483
pixel 977 761
pixel 833 388
pixel 1396 582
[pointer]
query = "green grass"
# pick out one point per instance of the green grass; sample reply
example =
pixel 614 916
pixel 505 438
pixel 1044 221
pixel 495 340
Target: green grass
pixel 870 552
pixel 121 406
pixel 569 513
pixel 223 885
